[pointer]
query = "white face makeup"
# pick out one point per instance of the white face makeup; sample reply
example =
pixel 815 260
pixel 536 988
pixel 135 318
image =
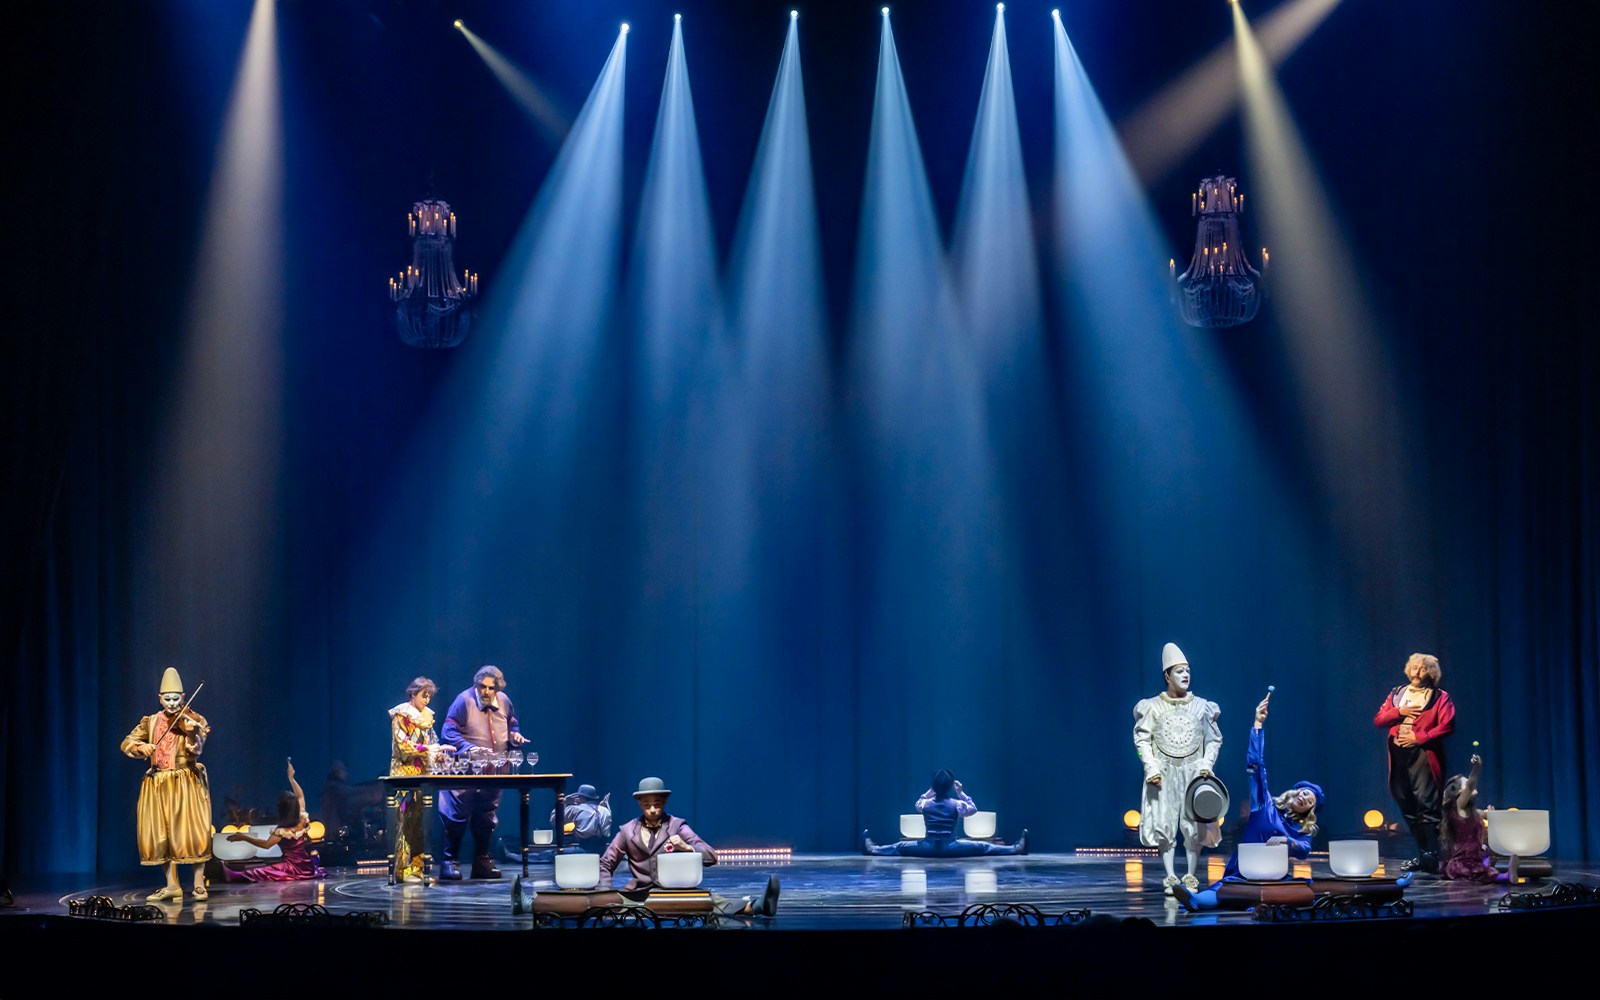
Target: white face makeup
pixel 1178 677
pixel 171 702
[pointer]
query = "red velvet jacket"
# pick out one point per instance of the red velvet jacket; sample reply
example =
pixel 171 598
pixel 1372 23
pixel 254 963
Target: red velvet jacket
pixel 1436 721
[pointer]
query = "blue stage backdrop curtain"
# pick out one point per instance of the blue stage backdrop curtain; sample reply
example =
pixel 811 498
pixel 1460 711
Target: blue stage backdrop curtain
pixel 364 581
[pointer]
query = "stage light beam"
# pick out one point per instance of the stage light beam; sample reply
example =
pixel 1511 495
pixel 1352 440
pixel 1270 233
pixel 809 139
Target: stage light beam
pixel 1170 125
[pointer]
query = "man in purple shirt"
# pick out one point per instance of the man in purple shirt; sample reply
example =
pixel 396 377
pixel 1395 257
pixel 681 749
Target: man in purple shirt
pixel 481 718
pixel 641 841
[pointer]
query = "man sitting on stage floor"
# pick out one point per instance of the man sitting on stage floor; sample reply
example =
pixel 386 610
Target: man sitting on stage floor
pixel 589 817
pixel 940 806
pixel 641 841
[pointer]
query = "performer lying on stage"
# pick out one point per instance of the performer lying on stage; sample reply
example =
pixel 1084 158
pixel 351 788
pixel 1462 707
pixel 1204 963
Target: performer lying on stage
pixel 940 805
pixel 656 832
pixel 1289 818
pixel 294 823
pixel 1462 834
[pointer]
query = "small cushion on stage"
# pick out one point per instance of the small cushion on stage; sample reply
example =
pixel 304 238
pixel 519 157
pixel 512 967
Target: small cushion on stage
pixel 679 869
pixel 912 826
pixel 979 826
pixel 577 871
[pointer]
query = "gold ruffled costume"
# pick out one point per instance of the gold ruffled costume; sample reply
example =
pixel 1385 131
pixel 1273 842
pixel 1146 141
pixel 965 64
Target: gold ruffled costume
pixel 412 743
pixel 174 823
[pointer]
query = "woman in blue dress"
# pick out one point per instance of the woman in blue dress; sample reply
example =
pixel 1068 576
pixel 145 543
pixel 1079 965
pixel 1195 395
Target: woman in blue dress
pixel 1288 818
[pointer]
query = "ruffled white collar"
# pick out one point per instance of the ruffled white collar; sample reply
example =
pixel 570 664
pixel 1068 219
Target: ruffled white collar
pixel 424 718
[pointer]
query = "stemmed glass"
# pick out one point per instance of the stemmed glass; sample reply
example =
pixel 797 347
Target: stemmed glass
pixel 532 758
pixel 515 757
pixel 497 762
pixel 478 763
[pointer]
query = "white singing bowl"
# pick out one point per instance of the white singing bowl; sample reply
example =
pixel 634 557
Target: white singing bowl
pixel 544 836
pixel 680 869
pixel 1263 862
pixel 1353 858
pixel 224 849
pixel 262 832
pixel 577 871
pixel 979 826
pixel 912 826
pixel 1520 832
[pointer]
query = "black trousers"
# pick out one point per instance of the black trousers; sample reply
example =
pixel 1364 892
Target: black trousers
pixel 1412 784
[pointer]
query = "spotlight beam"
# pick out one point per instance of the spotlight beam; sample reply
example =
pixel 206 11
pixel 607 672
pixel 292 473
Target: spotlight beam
pixel 1169 126
pixel 538 105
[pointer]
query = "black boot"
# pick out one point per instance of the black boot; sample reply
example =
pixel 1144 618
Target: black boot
pixel 483 867
pixel 767 906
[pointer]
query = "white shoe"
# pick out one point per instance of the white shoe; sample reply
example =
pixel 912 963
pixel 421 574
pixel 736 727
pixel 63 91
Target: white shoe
pixel 1191 883
pixel 1167 884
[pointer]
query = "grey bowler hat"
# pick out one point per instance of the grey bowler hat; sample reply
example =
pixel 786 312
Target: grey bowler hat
pixel 1206 799
pixel 652 786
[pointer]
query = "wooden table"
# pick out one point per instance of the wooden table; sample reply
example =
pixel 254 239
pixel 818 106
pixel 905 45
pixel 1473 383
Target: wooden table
pixel 427 786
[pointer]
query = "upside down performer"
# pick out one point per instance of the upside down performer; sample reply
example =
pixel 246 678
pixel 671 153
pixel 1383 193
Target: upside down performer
pixel 174 817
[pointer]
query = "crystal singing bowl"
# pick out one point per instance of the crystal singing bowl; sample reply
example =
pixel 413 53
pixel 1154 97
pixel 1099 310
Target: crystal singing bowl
pixel 1353 858
pixel 1263 862
pixel 1520 832
pixel 979 826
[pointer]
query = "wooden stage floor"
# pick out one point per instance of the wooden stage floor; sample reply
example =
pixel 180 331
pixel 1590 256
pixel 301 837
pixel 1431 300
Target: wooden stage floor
pixel 849 902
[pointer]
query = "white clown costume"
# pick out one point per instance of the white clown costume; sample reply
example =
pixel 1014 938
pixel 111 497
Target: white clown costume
pixel 1177 738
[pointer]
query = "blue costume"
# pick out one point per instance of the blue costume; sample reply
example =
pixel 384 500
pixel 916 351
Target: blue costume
pixel 939 815
pixel 1266 821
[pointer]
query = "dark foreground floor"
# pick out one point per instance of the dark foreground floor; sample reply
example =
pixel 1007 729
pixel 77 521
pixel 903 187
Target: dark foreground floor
pixel 839 925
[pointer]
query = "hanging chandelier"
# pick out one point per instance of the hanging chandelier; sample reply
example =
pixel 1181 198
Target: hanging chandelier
pixel 1219 288
pixel 433 305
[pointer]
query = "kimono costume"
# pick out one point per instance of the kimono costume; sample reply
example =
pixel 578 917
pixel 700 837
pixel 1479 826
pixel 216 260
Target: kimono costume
pixel 174 816
pixel 410 736
pixel 298 862
pixel 1177 738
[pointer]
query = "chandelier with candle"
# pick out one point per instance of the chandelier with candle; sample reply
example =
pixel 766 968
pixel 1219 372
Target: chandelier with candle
pixel 1219 288
pixel 433 304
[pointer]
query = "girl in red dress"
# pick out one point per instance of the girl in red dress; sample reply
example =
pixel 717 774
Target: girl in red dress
pixel 1462 835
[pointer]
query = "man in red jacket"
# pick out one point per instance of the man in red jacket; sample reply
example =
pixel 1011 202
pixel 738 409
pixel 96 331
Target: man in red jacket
pixel 1419 715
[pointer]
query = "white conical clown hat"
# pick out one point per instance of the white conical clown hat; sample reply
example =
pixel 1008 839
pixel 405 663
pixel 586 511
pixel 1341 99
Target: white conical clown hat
pixel 171 683
pixel 1171 656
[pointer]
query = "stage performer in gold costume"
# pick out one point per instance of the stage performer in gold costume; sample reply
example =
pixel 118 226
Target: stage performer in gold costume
pixel 175 797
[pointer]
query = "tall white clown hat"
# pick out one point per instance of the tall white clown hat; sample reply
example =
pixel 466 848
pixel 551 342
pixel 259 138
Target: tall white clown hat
pixel 171 683
pixel 1171 656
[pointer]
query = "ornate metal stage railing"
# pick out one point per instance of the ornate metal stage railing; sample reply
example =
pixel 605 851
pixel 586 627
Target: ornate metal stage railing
pixel 996 915
pixel 1560 894
pixel 104 908
pixel 1334 908
pixel 311 915
pixel 627 917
